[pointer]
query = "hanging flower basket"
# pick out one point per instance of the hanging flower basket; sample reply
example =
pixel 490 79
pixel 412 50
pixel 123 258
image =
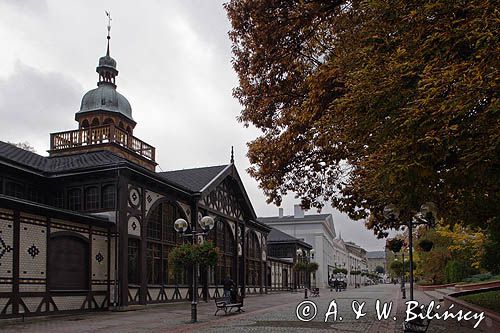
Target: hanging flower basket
pixel 425 245
pixel 186 255
pixel 312 267
pixel 394 244
pixel 300 266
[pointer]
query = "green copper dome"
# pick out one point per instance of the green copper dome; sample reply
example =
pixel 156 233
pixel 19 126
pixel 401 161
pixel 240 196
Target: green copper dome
pixel 106 98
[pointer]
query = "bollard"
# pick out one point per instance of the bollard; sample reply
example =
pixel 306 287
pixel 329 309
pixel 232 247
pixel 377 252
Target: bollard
pixel 305 292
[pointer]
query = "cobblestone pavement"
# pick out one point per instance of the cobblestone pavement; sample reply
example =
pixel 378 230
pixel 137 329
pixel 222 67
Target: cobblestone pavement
pixel 275 312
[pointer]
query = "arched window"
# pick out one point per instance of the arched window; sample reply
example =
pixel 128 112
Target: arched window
pixel 253 256
pixel 224 240
pixel 108 121
pixel 91 198
pixel 161 238
pixel 120 124
pixel 108 196
pixel 95 122
pixel 75 199
pixel 85 123
pixel 129 130
pixel 68 262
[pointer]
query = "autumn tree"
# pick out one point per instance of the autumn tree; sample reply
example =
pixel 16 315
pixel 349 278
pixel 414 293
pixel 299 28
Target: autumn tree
pixel 365 103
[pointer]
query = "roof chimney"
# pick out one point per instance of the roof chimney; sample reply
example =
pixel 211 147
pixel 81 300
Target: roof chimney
pixel 280 212
pixel 298 212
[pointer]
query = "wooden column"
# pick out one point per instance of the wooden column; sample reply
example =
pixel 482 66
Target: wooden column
pixel 122 242
pixel 15 265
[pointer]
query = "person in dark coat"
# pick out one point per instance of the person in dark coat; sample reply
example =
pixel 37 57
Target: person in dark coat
pixel 228 287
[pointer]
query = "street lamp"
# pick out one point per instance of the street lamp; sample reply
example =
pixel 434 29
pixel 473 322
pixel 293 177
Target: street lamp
pixel 427 215
pixel 181 226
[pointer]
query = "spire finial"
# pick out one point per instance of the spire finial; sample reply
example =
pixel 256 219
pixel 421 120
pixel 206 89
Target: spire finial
pixel 108 14
pixel 232 155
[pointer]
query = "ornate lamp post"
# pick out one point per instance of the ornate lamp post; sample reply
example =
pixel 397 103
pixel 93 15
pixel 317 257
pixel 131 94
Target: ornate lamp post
pixel 181 226
pixel 427 215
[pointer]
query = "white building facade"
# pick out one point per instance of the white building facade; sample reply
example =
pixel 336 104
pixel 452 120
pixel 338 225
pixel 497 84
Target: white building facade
pixel 317 230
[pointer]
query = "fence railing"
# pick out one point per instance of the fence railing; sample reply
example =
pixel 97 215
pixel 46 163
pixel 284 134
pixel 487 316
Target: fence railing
pixel 99 135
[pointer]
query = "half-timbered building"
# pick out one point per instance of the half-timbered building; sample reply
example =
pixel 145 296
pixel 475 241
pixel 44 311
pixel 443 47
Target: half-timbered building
pixel 91 225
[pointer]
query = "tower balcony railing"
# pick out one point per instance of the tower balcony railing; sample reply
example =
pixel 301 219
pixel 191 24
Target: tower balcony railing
pixel 98 135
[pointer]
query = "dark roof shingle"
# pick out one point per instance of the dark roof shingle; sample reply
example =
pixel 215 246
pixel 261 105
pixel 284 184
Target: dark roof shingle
pixel 193 179
pixel 58 163
pixel 279 236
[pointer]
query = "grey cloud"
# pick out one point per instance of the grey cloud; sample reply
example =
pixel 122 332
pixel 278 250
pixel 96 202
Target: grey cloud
pixel 32 101
pixel 34 6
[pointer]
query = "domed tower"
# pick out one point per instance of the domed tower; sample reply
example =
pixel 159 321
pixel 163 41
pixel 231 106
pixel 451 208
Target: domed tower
pixel 104 105
pixel 104 121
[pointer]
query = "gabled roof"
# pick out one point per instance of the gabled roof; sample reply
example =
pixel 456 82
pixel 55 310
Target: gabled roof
pixel 204 180
pixel 375 255
pixel 194 180
pixel 291 218
pixel 27 159
pixel 278 236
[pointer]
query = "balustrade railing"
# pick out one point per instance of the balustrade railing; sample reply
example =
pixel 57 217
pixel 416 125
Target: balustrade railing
pixel 100 135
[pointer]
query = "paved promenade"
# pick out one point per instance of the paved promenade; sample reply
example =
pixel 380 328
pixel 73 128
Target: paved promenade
pixel 274 312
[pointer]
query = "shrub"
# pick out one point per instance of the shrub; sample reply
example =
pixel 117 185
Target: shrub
pixel 456 271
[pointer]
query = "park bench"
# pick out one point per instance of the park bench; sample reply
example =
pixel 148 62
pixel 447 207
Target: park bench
pixel 315 292
pixel 227 305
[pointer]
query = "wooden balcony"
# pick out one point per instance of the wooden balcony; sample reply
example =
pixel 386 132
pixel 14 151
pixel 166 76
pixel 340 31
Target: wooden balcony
pixel 98 136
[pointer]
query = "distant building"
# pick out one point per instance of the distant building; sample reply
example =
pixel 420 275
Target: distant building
pixel 317 230
pixel 376 258
pixel 356 262
pixel 282 255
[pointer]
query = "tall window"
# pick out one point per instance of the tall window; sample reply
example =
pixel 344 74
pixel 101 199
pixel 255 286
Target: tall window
pixel 91 198
pixel 154 258
pixel 253 256
pixel 68 263
pixel 133 261
pixel 75 199
pixel 108 196
pixel 161 238
pixel 224 240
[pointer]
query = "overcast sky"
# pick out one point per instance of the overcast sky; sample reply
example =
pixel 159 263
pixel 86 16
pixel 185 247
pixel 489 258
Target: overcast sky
pixel 174 62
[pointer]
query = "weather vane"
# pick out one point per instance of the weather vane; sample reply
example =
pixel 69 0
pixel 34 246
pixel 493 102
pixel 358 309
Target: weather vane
pixel 109 21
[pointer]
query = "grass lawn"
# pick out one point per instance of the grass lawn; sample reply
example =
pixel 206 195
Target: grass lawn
pixel 489 300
